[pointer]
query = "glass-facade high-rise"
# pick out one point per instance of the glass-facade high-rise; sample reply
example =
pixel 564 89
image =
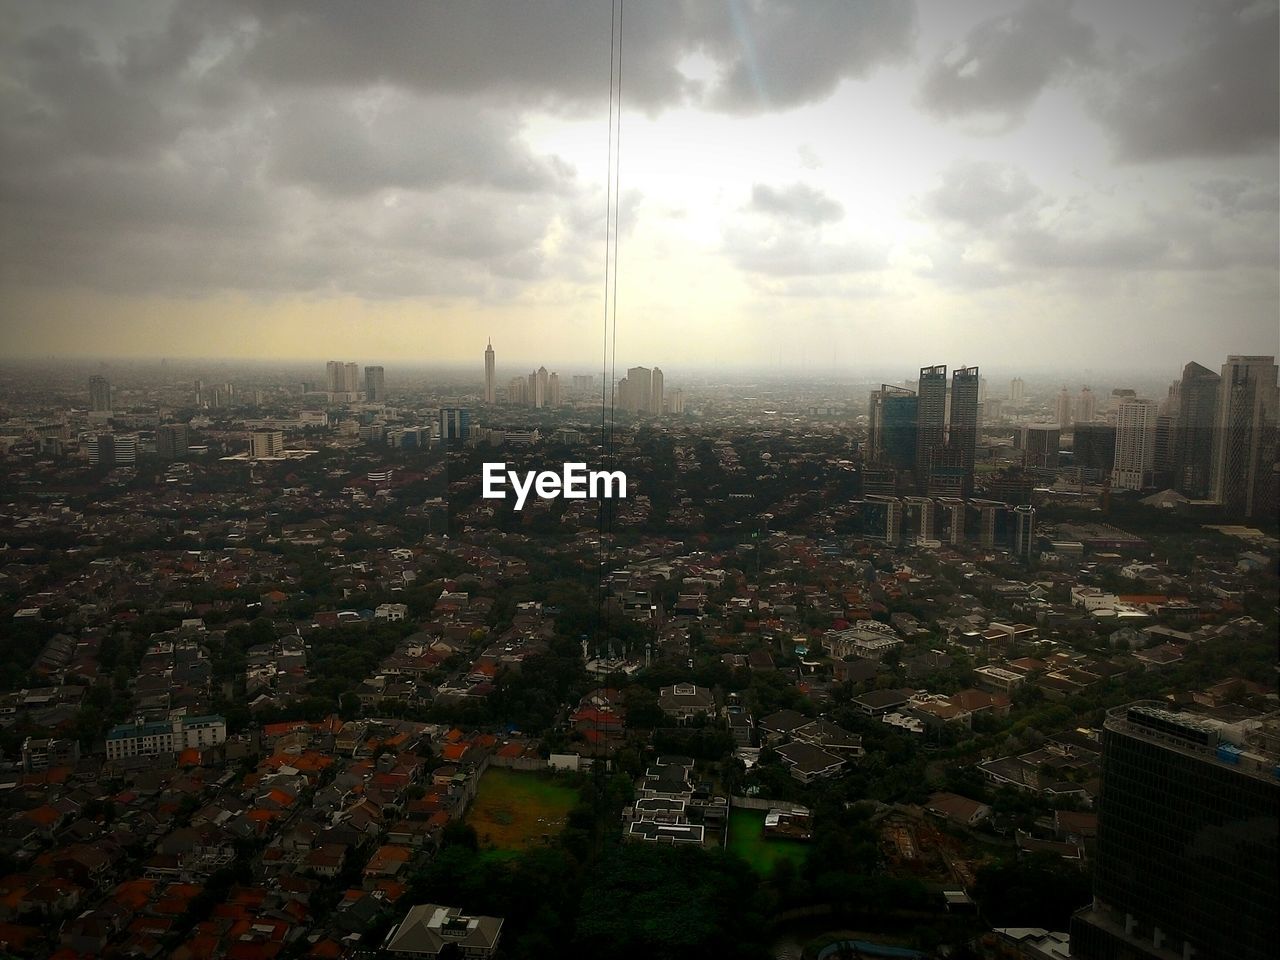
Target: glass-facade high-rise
pixel 1193 438
pixel 1187 863
pixel 891 439
pixel 931 420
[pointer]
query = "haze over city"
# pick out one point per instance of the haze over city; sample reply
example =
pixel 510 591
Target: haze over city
pixel 816 186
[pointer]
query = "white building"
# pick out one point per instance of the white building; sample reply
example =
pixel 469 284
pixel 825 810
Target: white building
pixel 1135 455
pixel 143 739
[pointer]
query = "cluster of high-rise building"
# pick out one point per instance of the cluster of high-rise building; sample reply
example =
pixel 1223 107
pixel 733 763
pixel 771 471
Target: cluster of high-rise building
pixel 343 382
pixel 641 391
pixel 539 389
pixel 1213 438
pixel 928 437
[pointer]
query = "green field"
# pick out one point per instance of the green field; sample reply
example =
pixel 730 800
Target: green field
pixel 514 810
pixel 747 840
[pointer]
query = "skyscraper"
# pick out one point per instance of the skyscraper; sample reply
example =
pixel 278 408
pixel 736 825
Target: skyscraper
pixel 891 437
pixel 1024 532
pixel 1135 444
pixel 375 385
pixel 1244 456
pixel 1187 859
pixel 490 381
pixel 655 393
pixel 1017 391
pixel 1063 410
pixel 1086 406
pixel 931 418
pixel 99 394
pixel 962 430
pixel 640 389
pixel 553 390
pixel 1193 434
pixel 1094 447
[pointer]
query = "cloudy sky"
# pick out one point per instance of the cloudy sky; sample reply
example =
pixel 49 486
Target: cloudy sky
pixel 852 184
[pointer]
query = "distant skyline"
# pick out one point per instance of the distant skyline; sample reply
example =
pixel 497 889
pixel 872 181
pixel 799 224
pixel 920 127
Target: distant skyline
pixel 832 187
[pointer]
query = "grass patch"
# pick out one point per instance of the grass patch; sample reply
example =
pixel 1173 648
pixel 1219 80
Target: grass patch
pixel 515 811
pixel 747 840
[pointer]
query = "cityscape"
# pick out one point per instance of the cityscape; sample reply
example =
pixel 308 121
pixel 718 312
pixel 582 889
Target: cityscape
pixel 883 563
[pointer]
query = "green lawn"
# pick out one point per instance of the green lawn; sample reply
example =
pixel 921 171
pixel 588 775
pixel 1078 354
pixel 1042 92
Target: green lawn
pixel 515 810
pixel 747 840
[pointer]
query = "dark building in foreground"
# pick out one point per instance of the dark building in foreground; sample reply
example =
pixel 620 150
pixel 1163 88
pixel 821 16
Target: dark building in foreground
pixel 1187 865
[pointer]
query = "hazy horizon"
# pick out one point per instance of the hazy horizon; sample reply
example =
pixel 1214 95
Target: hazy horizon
pixel 814 188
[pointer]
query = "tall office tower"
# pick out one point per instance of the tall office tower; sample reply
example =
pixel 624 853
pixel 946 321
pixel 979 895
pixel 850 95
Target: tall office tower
pixel 1024 532
pixel 657 403
pixel 1063 410
pixel 375 384
pixel 583 384
pixel 172 441
pixel 351 377
pixel 1017 391
pixel 931 419
pixel 992 410
pixel 199 385
pixel 538 384
pixel 1172 400
pixel 1040 442
pixel 891 438
pixel 1135 444
pixel 1187 862
pixel 622 395
pixel 962 430
pixel 455 423
pixel 553 390
pixel 982 389
pixel 1193 433
pixel 266 443
pixel 518 391
pixel 1244 455
pixel 490 376
pixel 640 389
pixel 333 376
pixel 1086 405
pixel 1094 447
pixel 99 394
pixel 677 401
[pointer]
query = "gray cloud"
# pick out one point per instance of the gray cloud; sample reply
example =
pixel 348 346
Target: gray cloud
pixel 184 147
pixel 782 233
pixel 1002 64
pixel 996 227
pixel 351 145
pixel 977 194
pixel 799 202
pixel 1217 97
pixel 767 55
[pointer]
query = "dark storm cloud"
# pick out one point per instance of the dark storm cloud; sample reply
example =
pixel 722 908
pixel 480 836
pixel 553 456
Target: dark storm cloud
pixel 769 55
pixel 798 201
pixel 1215 97
pixel 339 147
pixel 1003 63
pixel 346 146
